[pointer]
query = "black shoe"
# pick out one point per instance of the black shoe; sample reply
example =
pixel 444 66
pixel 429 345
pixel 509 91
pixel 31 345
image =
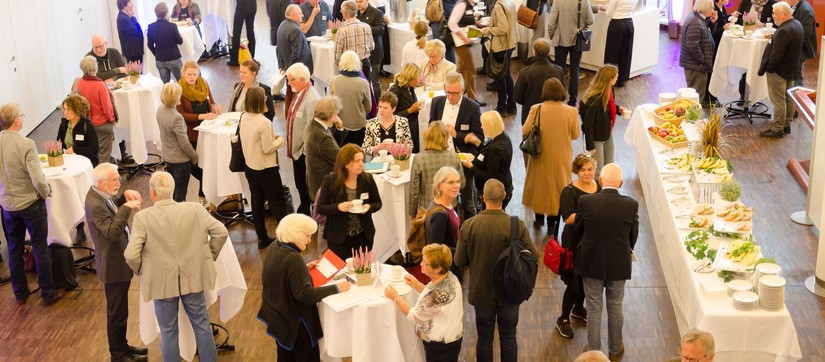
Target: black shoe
pixel 129 357
pixel 512 109
pixel 50 302
pixel 481 103
pixel 538 222
pixel 502 111
pixel 564 328
pixel 786 130
pixel 492 88
pixel 5 280
pixel 138 350
pixel 278 98
pixel 772 134
pixel 580 314
pixel 232 64
pixel 480 70
pixel 385 74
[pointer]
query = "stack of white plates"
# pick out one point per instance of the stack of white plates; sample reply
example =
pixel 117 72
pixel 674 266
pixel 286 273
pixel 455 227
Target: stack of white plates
pixel 745 300
pixel 772 292
pixel 665 98
pixel 739 286
pixel 762 270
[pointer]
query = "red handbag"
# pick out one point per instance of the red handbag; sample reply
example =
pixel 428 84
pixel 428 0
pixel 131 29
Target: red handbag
pixel 556 258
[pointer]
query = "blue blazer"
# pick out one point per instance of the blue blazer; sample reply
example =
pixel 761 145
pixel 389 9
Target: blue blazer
pixel 131 36
pixel 469 120
pixel 163 39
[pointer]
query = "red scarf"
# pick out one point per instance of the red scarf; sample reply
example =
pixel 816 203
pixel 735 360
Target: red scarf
pixel 290 119
pixel 611 106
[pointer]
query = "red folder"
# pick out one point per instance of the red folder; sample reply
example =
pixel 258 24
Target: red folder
pixel 318 279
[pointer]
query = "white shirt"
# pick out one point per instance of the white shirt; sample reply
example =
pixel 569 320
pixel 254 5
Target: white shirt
pixel 439 311
pixel 413 54
pixel 449 117
pixel 620 9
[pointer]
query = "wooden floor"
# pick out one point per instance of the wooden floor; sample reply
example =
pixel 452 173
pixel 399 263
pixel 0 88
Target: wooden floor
pixel 74 329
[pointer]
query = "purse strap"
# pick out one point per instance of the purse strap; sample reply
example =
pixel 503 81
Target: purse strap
pixel 579 17
pixel 538 119
pixel 238 130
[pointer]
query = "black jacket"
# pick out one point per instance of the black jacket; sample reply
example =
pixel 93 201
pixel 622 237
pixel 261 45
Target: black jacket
pixel 294 46
pixel 716 30
pixel 469 120
pixel 608 224
pixel 406 98
pixel 596 125
pixel 805 14
pixel 530 82
pixel 85 138
pixel 108 64
pixel 781 57
pixel 270 102
pixel 767 11
pixel 335 230
pixel 131 36
pixel 375 19
pixel 288 299
pixel 162 39
pixel 696 52
pixel 493 162
pixel 276 9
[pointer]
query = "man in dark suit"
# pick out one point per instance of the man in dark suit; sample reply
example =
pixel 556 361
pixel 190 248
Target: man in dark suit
pixel 530 82
pixel 107 218
pixel 779 62
pixel 245 12
pixel 804 13
pixel 462 117
pixel 322 140
pixel 608 224
pixel 294 47
pixel 375 19
pixel 129 32
pixel 276 9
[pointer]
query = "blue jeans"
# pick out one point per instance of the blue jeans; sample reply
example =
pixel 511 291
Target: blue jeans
pixel 575 61
pixel 614 291
pixel 168 66
pixel 34 219
pixel 180 172
pixel 507 317
pixel 194 304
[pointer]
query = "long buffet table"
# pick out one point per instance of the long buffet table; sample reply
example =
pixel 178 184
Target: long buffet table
pixel 757 335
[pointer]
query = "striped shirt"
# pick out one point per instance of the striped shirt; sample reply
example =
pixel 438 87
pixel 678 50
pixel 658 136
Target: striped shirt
pixel 354 35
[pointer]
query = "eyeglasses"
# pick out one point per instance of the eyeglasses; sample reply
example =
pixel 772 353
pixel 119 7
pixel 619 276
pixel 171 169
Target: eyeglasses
pixel 687 359
pixel 453 93
pixel 585 155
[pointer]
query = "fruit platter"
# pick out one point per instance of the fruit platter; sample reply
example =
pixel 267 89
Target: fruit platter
pixel 737 256
pixel 669 134
pixel 734 218
pixel 674 112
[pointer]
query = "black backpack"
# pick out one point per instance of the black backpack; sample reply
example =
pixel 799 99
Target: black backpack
pixel 516 269
pixel 63 270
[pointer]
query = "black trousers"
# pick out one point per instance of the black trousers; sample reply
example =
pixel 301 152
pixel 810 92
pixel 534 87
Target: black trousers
pixel 355 137
pixel 304 350
pixel 344 250
pixel 468 197
pixel 619 50
pixel 265 186
pixel 442 352
pixel 244 13
pixel 299 169
pixel 197 172
pixel 117 313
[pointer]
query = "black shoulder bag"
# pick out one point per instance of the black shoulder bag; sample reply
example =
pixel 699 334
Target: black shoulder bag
pixel 531 144
pixel 583 36
pixel 237 163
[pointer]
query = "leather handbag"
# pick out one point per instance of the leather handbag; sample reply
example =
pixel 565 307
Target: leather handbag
pixel 497 65
pixel 237 162
pixel 531 144
pixel 527 17
pixel 583 36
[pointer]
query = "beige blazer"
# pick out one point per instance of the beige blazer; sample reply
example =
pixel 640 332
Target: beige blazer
pixel 173 248
pixel 444 67
pixel 259 142
pixel 502 27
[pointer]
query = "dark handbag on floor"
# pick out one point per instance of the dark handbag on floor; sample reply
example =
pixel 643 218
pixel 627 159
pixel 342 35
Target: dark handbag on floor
pixel 531 144
pixel 63 270
pixel 28 259
pixel 583 36
pixel 237 162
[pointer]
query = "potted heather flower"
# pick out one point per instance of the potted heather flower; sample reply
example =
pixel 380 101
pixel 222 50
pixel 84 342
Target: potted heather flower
pixel 362 260
pixel 54 152
pixel 401 153
pixel 333 27
pixel 133 69
pixel 749 21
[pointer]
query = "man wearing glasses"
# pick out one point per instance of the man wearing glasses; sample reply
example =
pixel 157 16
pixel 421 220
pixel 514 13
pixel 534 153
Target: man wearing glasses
pixel 110 64
pixel 462 118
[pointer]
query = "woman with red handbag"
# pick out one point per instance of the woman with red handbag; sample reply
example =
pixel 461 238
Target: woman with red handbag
pixel 584 166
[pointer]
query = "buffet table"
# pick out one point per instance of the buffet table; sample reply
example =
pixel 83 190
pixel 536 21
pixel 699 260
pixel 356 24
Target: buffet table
pixel 372 330
pixel 70 183
pixel 137 108
pixel 757 335
pixel 230 286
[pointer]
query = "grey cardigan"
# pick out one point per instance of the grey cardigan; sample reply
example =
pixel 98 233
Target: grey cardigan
pixel 561 26
pixel 175 146
pixel 354 93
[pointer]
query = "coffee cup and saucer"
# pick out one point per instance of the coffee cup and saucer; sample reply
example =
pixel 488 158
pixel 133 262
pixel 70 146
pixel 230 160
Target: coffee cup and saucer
pixel 357 207
pixel 395 171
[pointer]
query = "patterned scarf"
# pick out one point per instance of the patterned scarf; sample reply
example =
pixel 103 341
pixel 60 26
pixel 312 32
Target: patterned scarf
pixel 196 93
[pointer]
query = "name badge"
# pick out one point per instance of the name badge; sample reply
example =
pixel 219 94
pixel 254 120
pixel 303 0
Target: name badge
pixel 468 12
pixel 465 127
pixel 79 137
pixel 480 158
pixel 324 18
pixel 365 196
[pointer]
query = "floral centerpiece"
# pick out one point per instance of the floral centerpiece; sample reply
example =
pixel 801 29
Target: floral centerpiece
pixel 749 21
pixel 54 152
pixel 401 152
pixel 133 69
pixel 362 260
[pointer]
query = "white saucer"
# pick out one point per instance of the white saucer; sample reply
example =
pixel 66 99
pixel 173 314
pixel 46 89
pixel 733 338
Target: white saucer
pixel 357 211
pixel 386 158
pixel 401 288
pixel 390 174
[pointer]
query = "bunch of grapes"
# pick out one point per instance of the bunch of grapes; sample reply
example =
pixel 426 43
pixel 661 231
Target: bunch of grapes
pixel 680 111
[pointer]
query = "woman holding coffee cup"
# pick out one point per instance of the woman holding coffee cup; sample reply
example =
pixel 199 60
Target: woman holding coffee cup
pixel 348 197
pixel 386 126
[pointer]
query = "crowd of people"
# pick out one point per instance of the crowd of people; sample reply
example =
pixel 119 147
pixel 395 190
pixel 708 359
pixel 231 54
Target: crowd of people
pixel 463 199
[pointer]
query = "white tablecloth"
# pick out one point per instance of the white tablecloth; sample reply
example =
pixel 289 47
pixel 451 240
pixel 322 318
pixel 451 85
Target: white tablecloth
pixel 214 152
pixel 69 189
pixel 424 113
pixel 391 222
pixel 323 61
pixel 400 34
pixel 217 19
pixel 374 330
pixel 230 286
pixel 137 108
pixel 735 57
pixel 191 49
pixel 757 335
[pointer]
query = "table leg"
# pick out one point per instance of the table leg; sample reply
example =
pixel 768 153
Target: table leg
pixel 148 167
pixel 239 213
pixel 747 109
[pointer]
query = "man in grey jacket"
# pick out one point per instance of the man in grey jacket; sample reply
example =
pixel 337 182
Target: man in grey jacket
pixel 562 26
pixel 23 190
pixel 172 249
pixel 696 55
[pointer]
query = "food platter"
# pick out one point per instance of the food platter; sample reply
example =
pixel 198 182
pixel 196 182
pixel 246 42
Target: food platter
pixel 734 218
pixel 741 263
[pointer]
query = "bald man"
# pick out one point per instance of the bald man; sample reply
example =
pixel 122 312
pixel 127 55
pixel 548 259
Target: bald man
pixel 608 224
pixel 110 63
pixel 292 44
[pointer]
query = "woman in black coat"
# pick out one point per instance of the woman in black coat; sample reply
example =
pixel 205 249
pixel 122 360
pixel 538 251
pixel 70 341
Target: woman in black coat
pixel 347 228
pixel 408 103
pixel 76 132
pixel 494 158
pixel 129 32
pixel 763 7
pixel 248 73
pixel 288 299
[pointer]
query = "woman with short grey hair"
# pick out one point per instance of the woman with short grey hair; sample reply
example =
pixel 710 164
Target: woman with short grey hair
pixel 178 153
pixel 101 107
pixel 434 70
pixel 354 90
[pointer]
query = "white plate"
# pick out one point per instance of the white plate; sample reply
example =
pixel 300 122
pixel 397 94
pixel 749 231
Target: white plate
pixel 771 281
pixel 745 297
pixel 723 263
pixel 402 288
pixel 386 158
pixel 53 171
pixel 358 211
pixel 467 157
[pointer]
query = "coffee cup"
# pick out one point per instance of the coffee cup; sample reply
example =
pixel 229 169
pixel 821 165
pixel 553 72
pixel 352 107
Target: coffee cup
pixel 382 154
pixel 769 25
pixel 627 113
pixel 388 140
pixel 395 170
pixel 357 205
pixel 349 264
pixel 397 272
